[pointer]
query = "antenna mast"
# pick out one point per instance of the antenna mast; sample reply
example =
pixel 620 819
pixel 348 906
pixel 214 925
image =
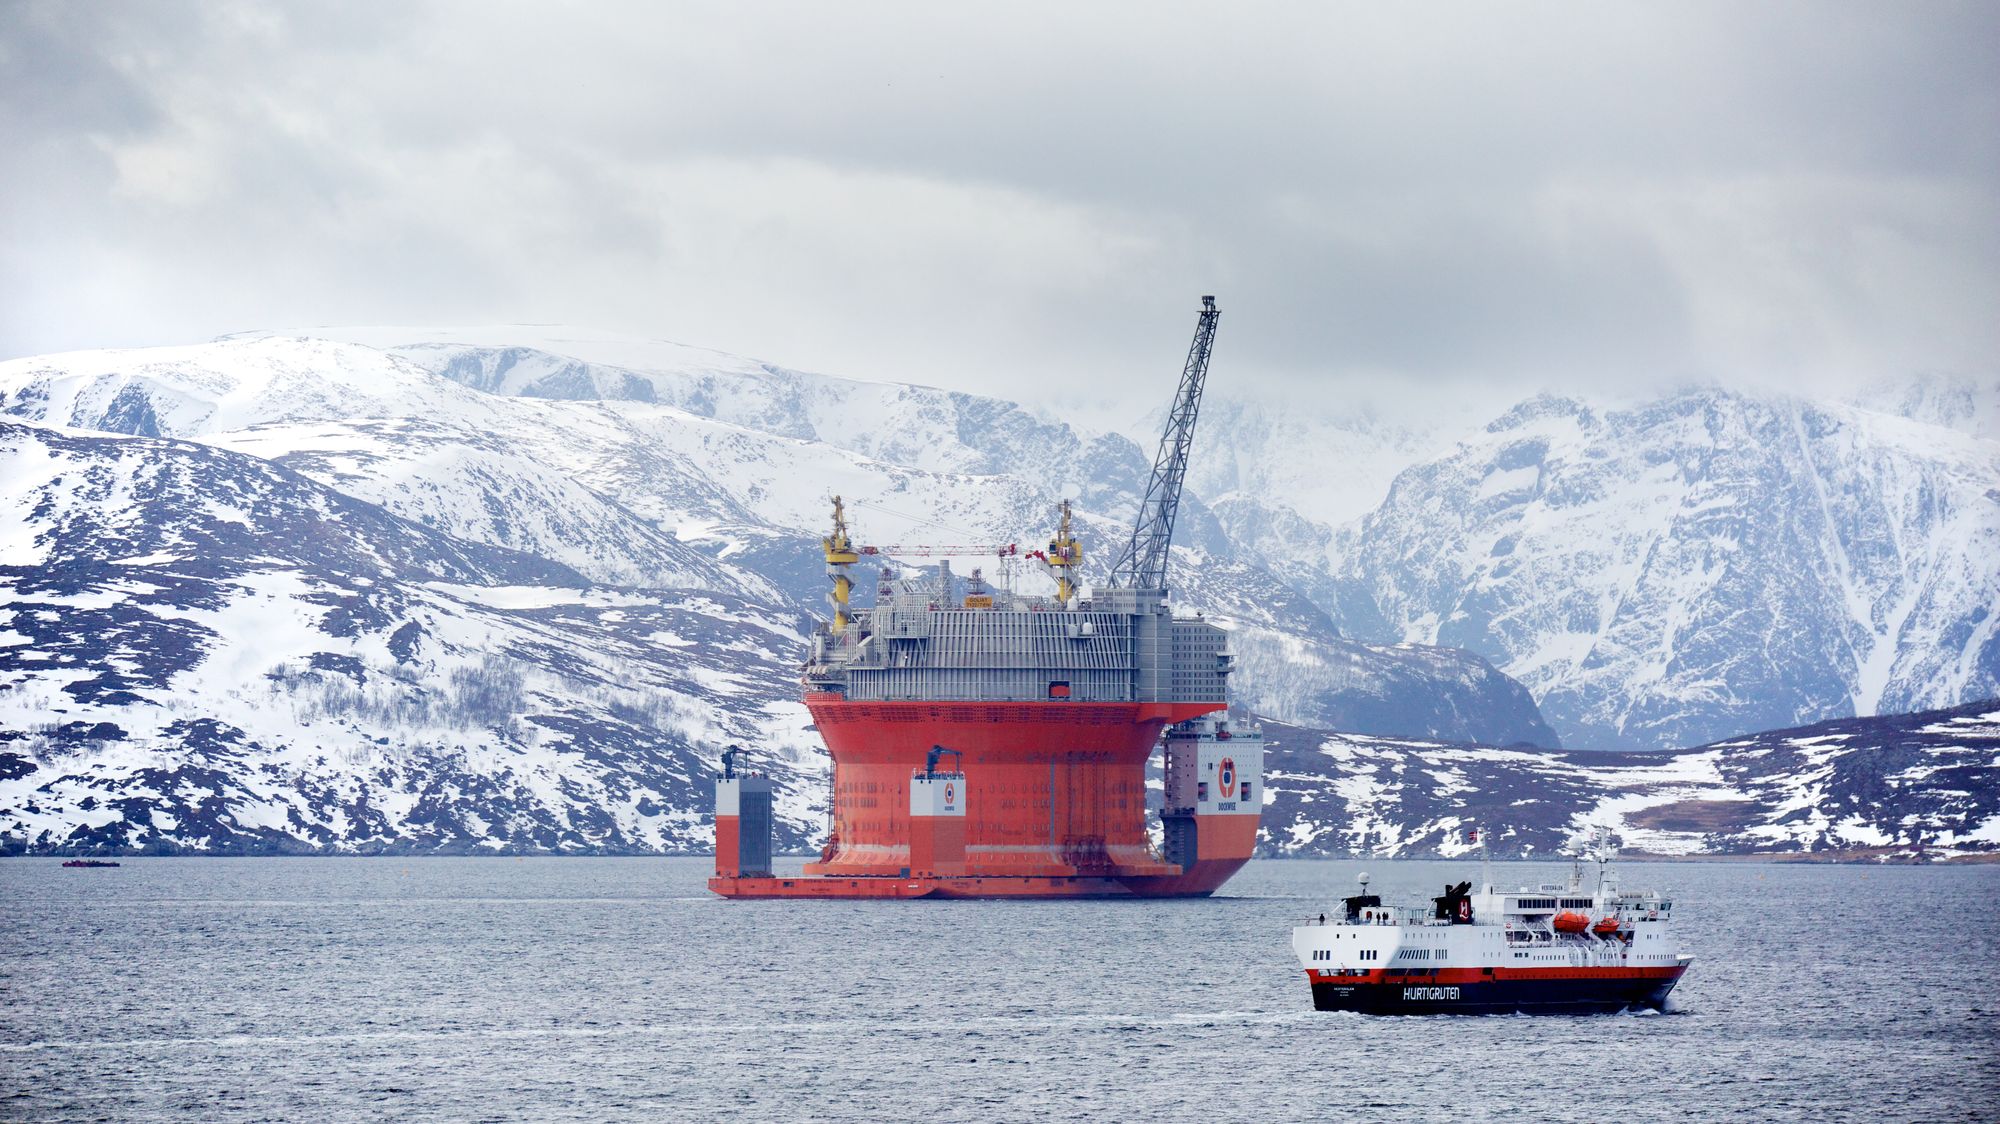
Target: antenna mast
pixel 1143 562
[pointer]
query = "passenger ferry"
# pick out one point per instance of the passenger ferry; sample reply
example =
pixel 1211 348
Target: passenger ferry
pixel 1549 949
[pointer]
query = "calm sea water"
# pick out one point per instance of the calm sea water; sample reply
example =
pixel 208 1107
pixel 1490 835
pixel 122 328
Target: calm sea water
pixel 593 989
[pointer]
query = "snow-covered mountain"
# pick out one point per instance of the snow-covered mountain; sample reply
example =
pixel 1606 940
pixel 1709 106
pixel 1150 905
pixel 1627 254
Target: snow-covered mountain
pixel 549 605
pixel 1702 565
pixel 1959 402
pixel 713 472
pixel 1912 785
pixel 1296 664
pixel 206 650
pixel 1422 528
pixel 1328 462
pixel 478 589
pixel 377 428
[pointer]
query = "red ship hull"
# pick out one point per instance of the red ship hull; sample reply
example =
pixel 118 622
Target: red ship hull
pixel 1055 797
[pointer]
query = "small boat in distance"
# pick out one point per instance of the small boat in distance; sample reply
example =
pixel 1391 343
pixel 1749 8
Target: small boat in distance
pixel 1533 951
pixel 90 862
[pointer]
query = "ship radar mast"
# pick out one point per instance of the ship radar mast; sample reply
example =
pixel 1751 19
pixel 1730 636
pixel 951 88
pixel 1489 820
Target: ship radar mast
pixel 1602 851
pixel 840 554
pixel 1143 562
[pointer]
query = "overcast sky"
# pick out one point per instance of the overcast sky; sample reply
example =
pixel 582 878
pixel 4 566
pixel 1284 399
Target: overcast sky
pixel 1030 199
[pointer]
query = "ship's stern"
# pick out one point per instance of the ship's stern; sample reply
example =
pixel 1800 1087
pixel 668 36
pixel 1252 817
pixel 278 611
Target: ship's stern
pixel 1213 809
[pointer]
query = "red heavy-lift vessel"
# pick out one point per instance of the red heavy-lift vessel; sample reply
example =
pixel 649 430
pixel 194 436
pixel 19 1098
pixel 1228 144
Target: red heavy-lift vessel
pixel 1049 708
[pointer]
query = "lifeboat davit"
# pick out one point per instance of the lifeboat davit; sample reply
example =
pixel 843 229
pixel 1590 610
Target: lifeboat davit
pixel 1570 922
pixel 1605 927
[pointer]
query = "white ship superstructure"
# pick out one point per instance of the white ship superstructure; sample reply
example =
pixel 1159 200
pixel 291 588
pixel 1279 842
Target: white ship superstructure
pixel 1552 948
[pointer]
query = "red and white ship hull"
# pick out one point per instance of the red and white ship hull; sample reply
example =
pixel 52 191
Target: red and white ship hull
pixel 1497 990
pixel 1541 950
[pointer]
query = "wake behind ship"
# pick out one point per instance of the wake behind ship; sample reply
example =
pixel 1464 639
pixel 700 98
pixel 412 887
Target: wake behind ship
pixel 1048 709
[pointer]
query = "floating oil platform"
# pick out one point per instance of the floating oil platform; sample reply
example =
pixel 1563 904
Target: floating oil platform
pixel 1048 709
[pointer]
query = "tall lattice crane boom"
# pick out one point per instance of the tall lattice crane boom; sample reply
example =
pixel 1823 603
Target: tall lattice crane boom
pixel 1143 562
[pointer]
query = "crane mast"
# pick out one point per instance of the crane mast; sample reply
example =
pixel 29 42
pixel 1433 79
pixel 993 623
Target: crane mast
pixel 1143 562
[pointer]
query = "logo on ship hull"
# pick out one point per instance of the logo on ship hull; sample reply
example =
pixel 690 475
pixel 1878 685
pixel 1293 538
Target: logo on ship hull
pixel 1226 774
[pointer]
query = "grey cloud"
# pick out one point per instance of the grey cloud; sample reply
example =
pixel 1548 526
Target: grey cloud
pixel 1030 198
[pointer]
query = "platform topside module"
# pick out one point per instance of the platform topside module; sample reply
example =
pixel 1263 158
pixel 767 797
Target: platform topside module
pixel 1050 707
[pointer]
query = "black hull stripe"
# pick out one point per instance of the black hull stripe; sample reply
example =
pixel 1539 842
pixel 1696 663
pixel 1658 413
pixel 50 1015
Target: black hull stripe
pixel 1555 997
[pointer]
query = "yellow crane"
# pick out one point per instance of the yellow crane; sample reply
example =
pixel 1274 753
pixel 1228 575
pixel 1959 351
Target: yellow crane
pixel 840 555
pixel 1064 555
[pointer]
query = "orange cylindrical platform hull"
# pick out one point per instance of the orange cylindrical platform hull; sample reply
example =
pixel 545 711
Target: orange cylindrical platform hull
pixel 1055 805
pixel 1053 789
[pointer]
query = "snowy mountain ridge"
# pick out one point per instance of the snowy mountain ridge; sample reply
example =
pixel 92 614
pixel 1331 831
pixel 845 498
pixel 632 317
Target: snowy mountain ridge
pixel 451 594
pixel 1701 565
pixel 644 490
pixel 1921 785
pixel 205 648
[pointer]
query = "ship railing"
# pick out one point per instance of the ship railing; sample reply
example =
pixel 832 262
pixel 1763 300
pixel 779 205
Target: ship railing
pixel 1378 921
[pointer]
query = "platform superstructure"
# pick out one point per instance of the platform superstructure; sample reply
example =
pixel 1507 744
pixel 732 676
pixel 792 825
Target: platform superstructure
pixel 1049 709
pixel 1581 948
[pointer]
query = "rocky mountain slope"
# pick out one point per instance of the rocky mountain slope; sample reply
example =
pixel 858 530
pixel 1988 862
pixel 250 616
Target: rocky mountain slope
pixel 713 472
pixel 282 594
pixel 205 650
pixel 1907 786
pixel 1701 565
pixel 443 592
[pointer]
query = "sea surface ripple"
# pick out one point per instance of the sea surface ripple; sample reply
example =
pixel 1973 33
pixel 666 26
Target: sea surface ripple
pixel 597 989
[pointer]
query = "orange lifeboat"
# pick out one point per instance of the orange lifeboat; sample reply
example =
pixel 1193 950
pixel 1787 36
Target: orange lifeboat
pixel 1570 922
pixel 1605 927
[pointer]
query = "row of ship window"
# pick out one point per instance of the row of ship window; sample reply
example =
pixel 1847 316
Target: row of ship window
pixel 1372 954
